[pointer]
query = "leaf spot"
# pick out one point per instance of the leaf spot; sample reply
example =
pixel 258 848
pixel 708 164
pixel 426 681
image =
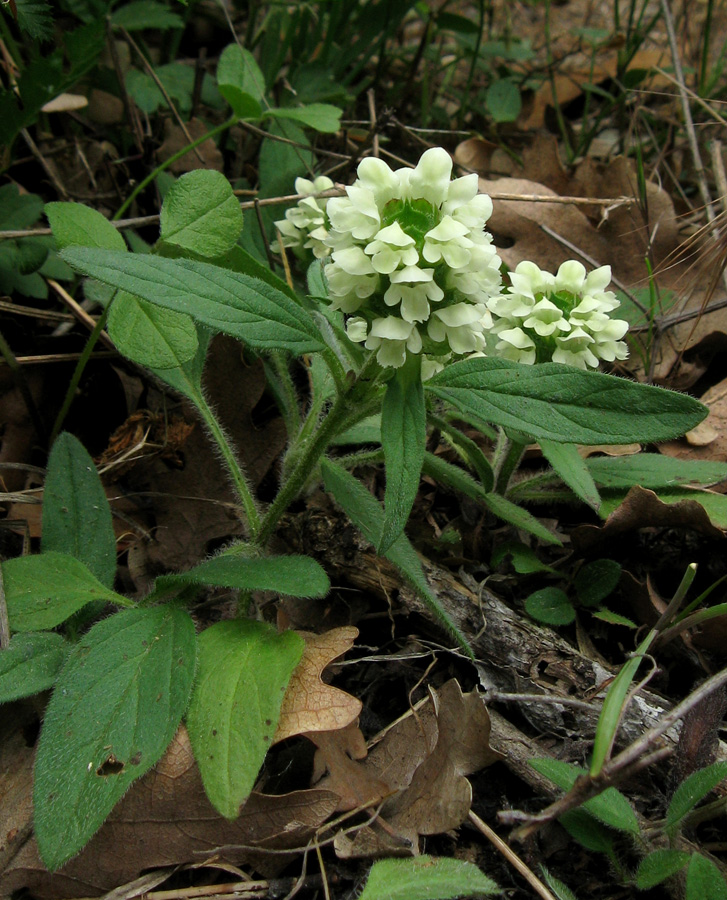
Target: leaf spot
pixel 112 766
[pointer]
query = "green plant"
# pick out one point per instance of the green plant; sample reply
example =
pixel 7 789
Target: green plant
pixel 162 309
pixel 594 821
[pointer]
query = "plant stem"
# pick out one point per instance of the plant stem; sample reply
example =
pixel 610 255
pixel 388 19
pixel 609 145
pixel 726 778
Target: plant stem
pixel 168 162
pixel 508 454
pixel 310 449
pixel 233 465
pixel 78 372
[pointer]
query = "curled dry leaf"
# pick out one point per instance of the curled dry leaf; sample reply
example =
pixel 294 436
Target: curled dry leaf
pixel 339 753
pixel 425 759
pixel 310 704
pixel 166 819
pixel 642 508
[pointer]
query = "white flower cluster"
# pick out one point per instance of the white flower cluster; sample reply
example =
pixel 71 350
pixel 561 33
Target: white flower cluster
pixel 563 317
pixel 306 224
pixel 409 256
pixel 409 262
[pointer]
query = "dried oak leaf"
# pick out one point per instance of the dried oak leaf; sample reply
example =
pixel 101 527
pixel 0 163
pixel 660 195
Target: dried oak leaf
pixel 642 508
pixel 437 795
pixel 340 753
pixel 310 704
pixel 166 819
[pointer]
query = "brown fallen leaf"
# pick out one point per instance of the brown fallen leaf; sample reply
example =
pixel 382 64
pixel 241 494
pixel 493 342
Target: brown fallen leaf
pixel 310 704
pixel 175 140
pixel 642 508
pixel 709 440
pixel 339 753
pixel 166 819
pixel 438 795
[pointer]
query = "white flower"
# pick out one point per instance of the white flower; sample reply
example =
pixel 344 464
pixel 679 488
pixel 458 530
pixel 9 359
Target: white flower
pixel 546 318
pixel 414 289
pixel 432 176
pixel 461 325
pixel 562 317
pixel 514 344
pixel 409 254
pixel 392 337
pixel 392 248
pixel 448 241
pixel 357 329
pixel 358 213
pixel 305 225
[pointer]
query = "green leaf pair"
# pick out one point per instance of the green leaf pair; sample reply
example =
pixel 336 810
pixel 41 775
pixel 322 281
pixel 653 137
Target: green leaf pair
pixel 242 84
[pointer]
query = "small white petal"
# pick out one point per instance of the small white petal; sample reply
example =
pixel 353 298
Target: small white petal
pixel 431 178
pixel 357 329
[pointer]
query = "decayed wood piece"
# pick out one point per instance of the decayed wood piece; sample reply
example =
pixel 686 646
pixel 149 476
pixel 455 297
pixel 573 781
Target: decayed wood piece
pixel 514 653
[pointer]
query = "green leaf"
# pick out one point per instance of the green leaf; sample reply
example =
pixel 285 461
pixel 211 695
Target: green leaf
pixel 201 213
pixel 561 890
pixel 115 708
pixel 691 791
pixel 230 302
pixel 459 480
pixel 704 880
pixel 243 672
pixel 609 807
pixel 367 515
pixel 76 513
pixel 519 517
pixel 141 14
pixel 294 576
pixel 503 100
pixel 187 377
pixel 31 663
pixel 403 438
pixel 18 211
pixel 570 465
pixel 613 618
pixel 652 470
pixel 76 225
pixel 658 866
pixel 43 591
pixel 241 82
pixel 524 560
pixel 596 580
pixel 151 335
pixel 425 878
pixel 560 403
pixel 550 605
pixel 35 18
pixel 588 831
pixel 613 706
pixel 322 117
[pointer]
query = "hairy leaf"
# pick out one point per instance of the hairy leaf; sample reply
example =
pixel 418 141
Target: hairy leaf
pixel 151 335
pixel 43 591
pixel 116 706
pixel 31 663
pixel 201 213
pixel 425 878
pixel 76 514
pixel 403 437
pixel 230 302
pixel 76 225
pixel 560 403
pixel 243 672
